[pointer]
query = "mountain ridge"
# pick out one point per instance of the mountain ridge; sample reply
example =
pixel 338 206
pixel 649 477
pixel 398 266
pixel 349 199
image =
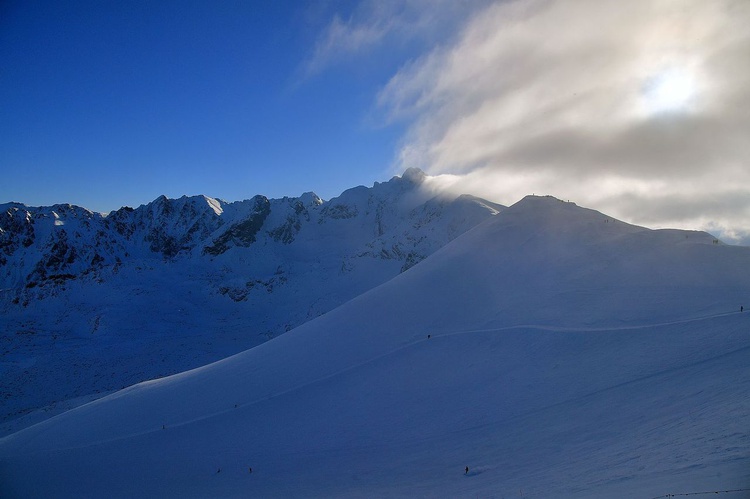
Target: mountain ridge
pixel 92 301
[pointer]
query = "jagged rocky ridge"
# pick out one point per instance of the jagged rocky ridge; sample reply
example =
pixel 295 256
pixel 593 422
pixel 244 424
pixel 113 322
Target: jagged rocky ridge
pixel 92 303
pixel 41 246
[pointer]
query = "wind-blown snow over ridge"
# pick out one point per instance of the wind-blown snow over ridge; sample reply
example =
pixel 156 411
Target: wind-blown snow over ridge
pixel 554 351
pixel 37 244
pixel 92 303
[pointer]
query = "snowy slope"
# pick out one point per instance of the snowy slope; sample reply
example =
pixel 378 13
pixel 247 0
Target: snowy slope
pixel 91 304
pixel 569 355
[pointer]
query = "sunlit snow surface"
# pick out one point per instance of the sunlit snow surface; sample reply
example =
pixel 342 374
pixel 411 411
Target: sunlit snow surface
pixel 569 355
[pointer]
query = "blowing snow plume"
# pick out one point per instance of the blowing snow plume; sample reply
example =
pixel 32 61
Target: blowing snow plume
pixel 636 108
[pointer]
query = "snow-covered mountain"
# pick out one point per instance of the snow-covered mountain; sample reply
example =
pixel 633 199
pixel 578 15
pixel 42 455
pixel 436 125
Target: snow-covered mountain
pixel 92 303
pixel 552 350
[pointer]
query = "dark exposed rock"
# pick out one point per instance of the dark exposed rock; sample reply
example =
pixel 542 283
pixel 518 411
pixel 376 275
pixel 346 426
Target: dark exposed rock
pixel 286 232
pixel 372 223
pixel 242 233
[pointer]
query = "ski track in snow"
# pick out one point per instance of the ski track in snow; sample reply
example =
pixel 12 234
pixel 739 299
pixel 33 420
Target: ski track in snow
pixel 525 327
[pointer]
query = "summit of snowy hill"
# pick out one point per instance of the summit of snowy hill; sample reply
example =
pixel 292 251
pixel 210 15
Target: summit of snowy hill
pixel 595 263
pixel 414 175
pixel 310 199
pixel 177 283
pixel 549 352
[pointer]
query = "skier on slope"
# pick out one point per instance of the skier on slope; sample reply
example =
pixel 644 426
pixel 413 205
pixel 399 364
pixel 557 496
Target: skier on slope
pixel 466 472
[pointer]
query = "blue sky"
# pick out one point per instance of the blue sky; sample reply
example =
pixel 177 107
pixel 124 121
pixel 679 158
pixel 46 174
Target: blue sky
pixel 114 103
pixel 638 109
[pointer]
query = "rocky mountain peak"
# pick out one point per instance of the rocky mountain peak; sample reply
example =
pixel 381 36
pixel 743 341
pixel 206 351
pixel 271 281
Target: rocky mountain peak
pixel 414 175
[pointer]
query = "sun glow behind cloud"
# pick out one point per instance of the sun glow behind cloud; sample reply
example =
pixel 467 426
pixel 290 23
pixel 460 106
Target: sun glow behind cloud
pixel 672 90
pixel 629 107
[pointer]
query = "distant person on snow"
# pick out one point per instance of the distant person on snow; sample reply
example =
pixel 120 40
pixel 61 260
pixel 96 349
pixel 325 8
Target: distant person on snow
pixel 742 308
pixel 466 472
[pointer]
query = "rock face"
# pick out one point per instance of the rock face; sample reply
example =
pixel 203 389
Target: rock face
pixel 243 233
pixel 151 280
pixel 391 221
pixel 41 247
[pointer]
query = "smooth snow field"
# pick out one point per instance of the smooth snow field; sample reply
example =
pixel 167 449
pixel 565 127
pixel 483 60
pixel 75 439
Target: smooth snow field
pixel 552 350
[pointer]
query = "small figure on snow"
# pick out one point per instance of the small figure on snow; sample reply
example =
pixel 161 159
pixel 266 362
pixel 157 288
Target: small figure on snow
pixel 249 470
pixel 429 336
pixel 742 308
pixel 466 471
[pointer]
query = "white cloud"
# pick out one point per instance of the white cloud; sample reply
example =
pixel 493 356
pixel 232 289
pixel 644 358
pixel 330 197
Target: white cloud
pixel 376 23
pixel 638 108
pixel 343 39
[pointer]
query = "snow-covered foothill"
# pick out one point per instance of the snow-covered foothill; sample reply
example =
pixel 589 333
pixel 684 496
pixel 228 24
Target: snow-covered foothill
pixel 555 351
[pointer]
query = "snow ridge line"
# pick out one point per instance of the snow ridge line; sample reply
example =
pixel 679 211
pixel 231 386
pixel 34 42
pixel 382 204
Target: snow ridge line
pixel 564 329
pixel 702 493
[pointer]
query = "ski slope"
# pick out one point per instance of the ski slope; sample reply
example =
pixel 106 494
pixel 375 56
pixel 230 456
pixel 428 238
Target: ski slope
pixel 554 351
